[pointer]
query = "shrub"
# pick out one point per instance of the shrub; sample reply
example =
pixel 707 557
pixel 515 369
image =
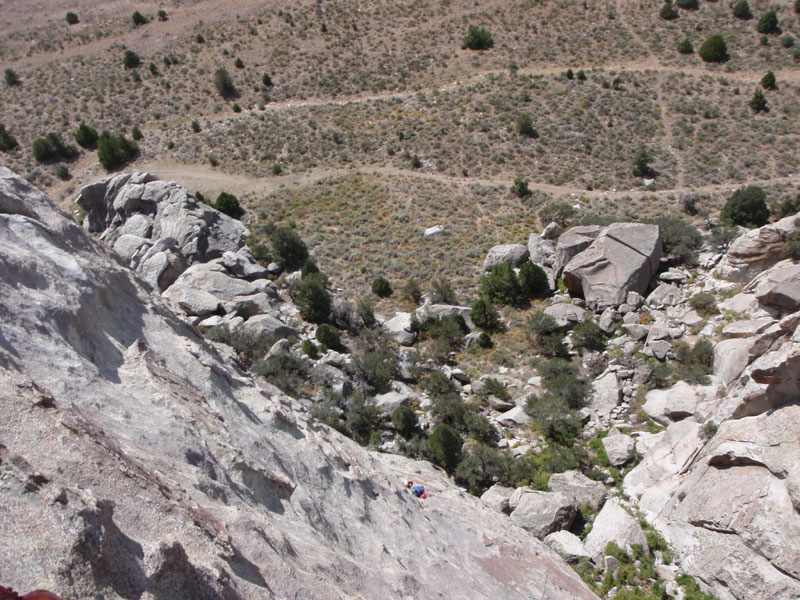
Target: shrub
pixel 477 38
pixel 685 47
pixel 115 150
pixel 72 18
pixel 50 147
pixel 62 172
pixel 768 23
pixel 797 6
pixel 768 81
pixel 195 127
pixel 200 39
pixel 405 421
pixel 289 250
pixel 533 280
pixel 589 335
pixel 787 41
pixel 138 19
pixel 485 340
pixel 520 187
pixel 502 286
pixel 694 362
pixel 442 291
pixel 581 75
pixel 310 349
pixel 687 4
pixel 787 207
pixel 11 77
pixel 328 336
pixel 416 163
pixel 381 287
pixel 561 378
pixel 162 15
pixel 525 126
pixel 791 249
pixel 484 315
pixel 704 303
pixel 668 11
pixel 228 204
pixel 236 108
pixel 86 136
pixel 7 141
pixel 741 9
pixel 481 468
pixel 136 134
pixel 377 368
pixel 238 63
pixel 714 49
pixel 560 213
pixel 131 60
pixel 309 267
pixel 444 446
pixel 758 103
pixel 224 84
pixel 312 299
pixel 266 80
pixel 411 291
pixel 249 347
pixel 554 418
pixel 153 69
pixel 681 239
pixel 641 163
pixel 746 207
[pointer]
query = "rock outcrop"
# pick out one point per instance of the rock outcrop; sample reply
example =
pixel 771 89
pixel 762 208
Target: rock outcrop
pixel 139 462
pixel 623 258
pixel 756 250
pixel 516 254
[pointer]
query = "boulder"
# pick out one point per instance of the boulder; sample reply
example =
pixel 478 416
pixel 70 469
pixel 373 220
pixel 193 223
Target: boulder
pixel 215 279
pixel 497 497
pixel 605 396
pixel 680 401
pixel 516 417
pixel 666 294
pixel 516 254
pixel 619 447
pixel 541 250
pixel 399 328
pixel 567 545
pixel 542 513
pixel 573 242
pixel 577 486
pixel 566 315
pixel 400 394
pixel 748 328
pixel 269 326
pixel 778 288
pixel 731 358
pixel 623 258
pixel 194 302
pixel 241 264
pixel 755 250
pixel 613 524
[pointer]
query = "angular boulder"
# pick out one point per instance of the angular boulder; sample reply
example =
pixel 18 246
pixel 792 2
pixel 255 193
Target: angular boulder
pixel 623 258
pixel 399 328
pixel 619 447
pixel 577 486
pixel 541 250
pixel 516 254
pixel 573 242
pixel 567 545
pixel 542 513
pixel 613 524
pixel 779 287
pixel 497 498
pixel 755 250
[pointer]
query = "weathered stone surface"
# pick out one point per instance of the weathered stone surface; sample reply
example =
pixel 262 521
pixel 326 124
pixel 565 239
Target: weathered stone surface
pixel 399 328
pixel 514 417
pixel 243 265
pixel 755 250
pixel 497 497
pixel 666 294
pixel 578 487
pixel 573 242
pixel 748 328
pixel 516 254
pixel 541 250
pixel 623 258
pixel 542 513
pixel 566 315
pixel 731 358
pixel 778 288
pixel 215 279
pixel 400 394
pixel 138 462
pixel 568 545
pixel 619 447
pixel 613 524
pixel 680 401
pixel 194 302
pixel 268 325
pixel 605 396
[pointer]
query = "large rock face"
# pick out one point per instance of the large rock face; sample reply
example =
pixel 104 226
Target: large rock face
pixel 139 463
pixel 573 242
pixel 622 259
pixel 516 254
pixel 756 250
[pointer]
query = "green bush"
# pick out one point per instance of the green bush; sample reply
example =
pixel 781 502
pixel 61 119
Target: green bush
pixel 62 172
pixel 502 286
pixel 131 60
pixel 525 125
pixel 416 163
pixel 768 81
pixel 533 280
pixel 72 18
pixel 115 150
pixel 685 47
pixel 328 336
pixel 442 291
pixel 289 250
pixel 195 127
pixel 741 9
pixel 589 335
pixel 310 349
pixel 378 368
pixel 758 103
pixel 444 445
pixel 249 347
pixel 481 467
pixel 405 421
pixel 312 299
pixel 51 147
pixel 485 340
pixel 285 371
pixel 668 11
pixel 266 80
pixel 768 23
pixel 704 303
pixel 228 204
pixel 162 15
pixel 714 49
pixel 484 315
pixel 136 134
pixel 381 287
pixel 477 38
pixel 681 239
pixel 786 208
pixel 361 418
pixel 561 378
pixel 7 141
pixel 11 77
pixel 641 163
pixel 86 136
pixel 238 63
pixel 746 207
pixel 411 291
pixel 787 41
pixel 309 267
pixel 224 84
pixel 687 4
pixel 138 19
pixel 520 188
